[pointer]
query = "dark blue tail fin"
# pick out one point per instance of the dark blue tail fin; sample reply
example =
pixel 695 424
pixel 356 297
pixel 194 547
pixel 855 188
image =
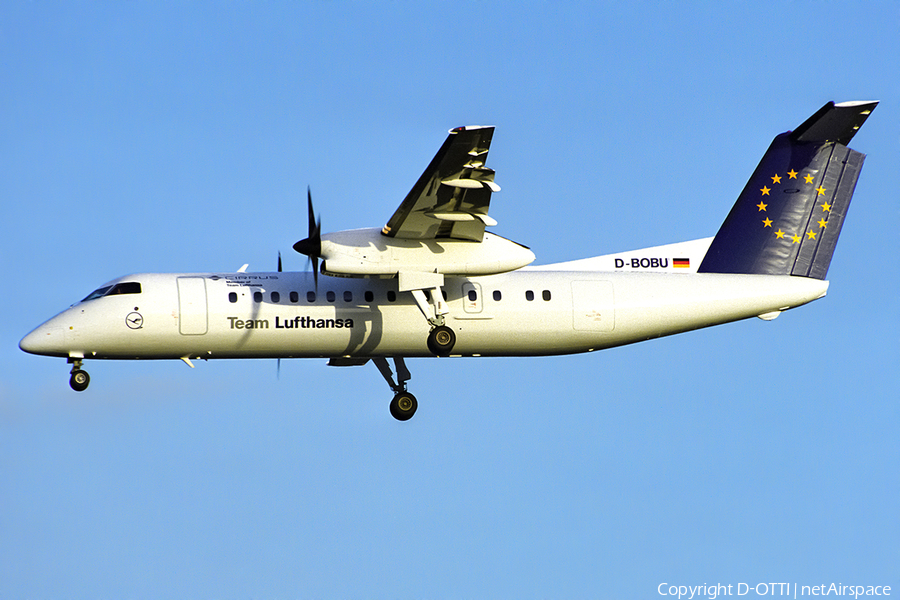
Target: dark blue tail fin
pixel 789 216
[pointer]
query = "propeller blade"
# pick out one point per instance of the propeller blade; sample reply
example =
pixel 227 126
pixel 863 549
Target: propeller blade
pixel 312 245
pixel 279 261
pixel 315 265
pixel 310 212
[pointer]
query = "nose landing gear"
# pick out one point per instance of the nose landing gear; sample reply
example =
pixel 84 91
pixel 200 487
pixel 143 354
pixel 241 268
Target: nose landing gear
pixel 79 379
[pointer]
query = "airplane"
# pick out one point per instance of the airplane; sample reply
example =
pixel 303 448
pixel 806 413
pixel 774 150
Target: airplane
pixel 434 282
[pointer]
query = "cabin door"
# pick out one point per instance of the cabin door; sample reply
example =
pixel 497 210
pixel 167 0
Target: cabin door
pixel 192 319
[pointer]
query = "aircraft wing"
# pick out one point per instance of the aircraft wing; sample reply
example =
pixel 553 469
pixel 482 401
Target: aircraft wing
pixel 451 198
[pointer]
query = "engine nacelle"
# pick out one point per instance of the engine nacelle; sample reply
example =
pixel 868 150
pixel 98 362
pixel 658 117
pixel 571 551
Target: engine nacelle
pixel 369 253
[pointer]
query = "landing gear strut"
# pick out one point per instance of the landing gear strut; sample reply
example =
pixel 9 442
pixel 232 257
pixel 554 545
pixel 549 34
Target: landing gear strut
pixel 403 405
pixel 441 338
pixel 79 379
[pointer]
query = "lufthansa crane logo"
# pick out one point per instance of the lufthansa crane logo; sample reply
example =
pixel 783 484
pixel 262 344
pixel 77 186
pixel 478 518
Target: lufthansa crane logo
pixel 134 320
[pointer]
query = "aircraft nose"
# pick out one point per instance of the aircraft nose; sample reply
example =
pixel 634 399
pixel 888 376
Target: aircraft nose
pixel 46 340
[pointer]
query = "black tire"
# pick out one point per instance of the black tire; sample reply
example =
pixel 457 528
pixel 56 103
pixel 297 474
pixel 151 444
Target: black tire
pixel 79 380
pixel 404 406
pixel 441 341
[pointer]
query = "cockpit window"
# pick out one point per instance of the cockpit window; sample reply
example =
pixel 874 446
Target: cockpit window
pixel 128 287
pixel 97 293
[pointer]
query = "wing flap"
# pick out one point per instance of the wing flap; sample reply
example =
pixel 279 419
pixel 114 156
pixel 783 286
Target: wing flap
pixel 452 197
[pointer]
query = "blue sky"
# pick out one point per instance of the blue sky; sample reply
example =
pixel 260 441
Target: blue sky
pixel 181 137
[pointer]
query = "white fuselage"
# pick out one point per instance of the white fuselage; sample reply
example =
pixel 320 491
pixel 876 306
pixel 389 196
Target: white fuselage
pixel 529 312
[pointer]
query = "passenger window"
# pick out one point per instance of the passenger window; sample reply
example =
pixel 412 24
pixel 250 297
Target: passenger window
pixel 232 297
pixel 329 295
pixel 392 296
pixel 473 295
pixel 295 297
pixel 276 297
pixel 546 295
pixel 257 296
pixel 348 296
pixel 369 296
pixel 310 296
pixel 497 295
pixel 529 295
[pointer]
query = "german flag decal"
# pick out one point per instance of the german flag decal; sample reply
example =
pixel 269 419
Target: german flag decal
pixel 681 263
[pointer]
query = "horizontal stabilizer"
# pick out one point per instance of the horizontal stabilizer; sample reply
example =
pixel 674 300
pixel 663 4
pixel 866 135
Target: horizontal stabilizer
pixel 834 123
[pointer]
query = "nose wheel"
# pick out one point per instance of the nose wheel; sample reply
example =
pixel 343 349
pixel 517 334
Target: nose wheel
pixel 79 379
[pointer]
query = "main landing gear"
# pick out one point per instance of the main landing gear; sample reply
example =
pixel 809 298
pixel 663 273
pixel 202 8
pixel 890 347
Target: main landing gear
pixel 79 379
pixel 403 405
pixel 441 339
